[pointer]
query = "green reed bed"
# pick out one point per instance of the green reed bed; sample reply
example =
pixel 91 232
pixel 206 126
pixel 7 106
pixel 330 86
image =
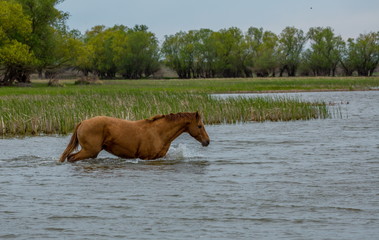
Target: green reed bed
pixel 58 114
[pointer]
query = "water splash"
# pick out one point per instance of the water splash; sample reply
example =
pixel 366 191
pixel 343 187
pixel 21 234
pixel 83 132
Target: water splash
pixel 182 152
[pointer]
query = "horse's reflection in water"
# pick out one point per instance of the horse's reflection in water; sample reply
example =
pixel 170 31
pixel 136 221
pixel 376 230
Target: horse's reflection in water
pixel 111 166
pixel 144 139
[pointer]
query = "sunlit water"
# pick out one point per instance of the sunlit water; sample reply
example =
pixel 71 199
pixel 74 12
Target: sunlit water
pixel 314 179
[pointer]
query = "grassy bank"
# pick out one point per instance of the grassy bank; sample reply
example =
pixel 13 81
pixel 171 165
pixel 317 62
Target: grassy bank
pixel 224 85
pixel 227 85
pixel 31 114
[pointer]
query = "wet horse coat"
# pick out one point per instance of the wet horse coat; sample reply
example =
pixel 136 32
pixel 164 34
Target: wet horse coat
pixel 145 139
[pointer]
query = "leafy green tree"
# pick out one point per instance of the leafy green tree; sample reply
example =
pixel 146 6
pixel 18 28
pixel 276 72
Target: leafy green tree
pixel 170 50
pixel 64 54
pixel 84 60
pixel 136 53
pixel 101 42
pixel 262 48
pixel 178 52
pixel 37 41
pixel 16 59
pixel 205 54
pixel 347 62
pixel 325 52
pixel 362 54
pixel 131 52
pixel 253 40
pixel 267 60
pixel 226 53
pixel 229 51
pixel 49 33
pixel 191 54
pixel 291 45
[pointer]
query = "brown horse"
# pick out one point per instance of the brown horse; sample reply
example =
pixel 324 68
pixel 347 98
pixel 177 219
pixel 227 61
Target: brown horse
pixel 145 139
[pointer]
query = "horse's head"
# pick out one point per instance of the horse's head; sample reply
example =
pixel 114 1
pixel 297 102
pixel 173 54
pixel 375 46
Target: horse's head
pixel 197 130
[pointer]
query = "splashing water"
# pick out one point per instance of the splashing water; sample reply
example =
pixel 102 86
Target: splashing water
pixel 182 152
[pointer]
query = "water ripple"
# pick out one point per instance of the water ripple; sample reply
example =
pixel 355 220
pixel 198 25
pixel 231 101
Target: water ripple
pixel 292 180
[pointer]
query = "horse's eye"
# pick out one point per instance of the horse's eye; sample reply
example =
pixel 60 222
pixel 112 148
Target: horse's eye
pixel 200 126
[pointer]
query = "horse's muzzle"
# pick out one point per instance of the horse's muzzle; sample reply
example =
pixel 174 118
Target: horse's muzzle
pixel 205 143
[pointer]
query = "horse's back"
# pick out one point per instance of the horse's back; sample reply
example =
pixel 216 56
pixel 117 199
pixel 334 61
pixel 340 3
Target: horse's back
pixel 103 125
pixel 120 137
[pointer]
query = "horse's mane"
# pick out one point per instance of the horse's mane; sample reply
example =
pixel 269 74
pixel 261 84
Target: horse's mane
pixel 172 116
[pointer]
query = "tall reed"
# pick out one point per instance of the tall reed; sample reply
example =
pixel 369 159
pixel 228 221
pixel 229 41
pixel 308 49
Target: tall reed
pixel 58 114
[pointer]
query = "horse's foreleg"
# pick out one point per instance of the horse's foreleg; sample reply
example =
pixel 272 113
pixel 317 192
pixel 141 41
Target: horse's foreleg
pixel 81 155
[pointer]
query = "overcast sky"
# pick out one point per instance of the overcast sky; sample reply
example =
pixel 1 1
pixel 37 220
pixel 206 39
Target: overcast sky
pixel 348 18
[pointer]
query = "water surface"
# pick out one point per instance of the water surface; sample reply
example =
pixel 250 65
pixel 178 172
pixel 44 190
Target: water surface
pixel 315 179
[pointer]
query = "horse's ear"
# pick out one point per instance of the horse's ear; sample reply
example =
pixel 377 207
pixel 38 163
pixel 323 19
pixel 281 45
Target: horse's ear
pixel 197 115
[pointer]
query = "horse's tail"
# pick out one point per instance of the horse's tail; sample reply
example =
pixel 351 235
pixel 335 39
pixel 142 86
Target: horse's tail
pixel 72 145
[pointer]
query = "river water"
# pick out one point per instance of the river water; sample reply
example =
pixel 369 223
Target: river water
pixel 315 179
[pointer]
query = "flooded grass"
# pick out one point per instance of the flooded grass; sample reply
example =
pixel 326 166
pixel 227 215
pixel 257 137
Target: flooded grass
pixel 58 114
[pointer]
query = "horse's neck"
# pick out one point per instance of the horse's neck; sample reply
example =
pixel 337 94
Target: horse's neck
pixel 170 131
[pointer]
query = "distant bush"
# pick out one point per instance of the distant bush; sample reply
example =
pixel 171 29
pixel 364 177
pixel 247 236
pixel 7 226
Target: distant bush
pixel 92 80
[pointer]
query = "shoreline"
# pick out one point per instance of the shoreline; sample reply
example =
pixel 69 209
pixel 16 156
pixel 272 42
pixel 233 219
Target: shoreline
pixel 297 91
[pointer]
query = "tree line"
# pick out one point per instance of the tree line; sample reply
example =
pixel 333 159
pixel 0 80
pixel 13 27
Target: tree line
pixel 35 39
pixel 232 53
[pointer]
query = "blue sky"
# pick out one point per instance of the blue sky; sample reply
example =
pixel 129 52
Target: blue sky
pixel 348 18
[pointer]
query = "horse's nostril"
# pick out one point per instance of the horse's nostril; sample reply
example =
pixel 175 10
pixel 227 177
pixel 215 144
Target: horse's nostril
pixel 205 143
